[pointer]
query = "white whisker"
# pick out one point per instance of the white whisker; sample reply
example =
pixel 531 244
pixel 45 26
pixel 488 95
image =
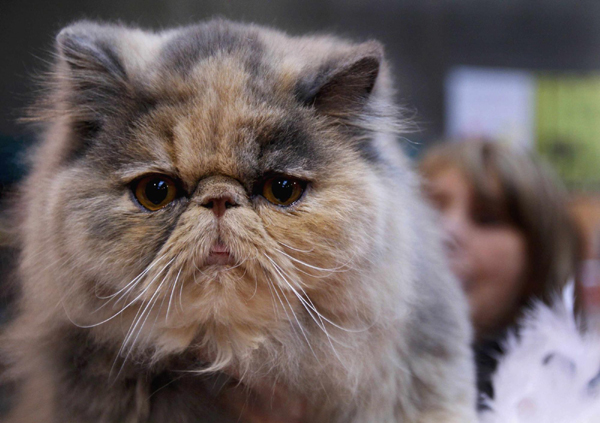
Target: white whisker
pixel 147 310
pixel 312 306
pixel 295 318
pixel 275 307
pixel 333 270
pixel 123 309
pixel 255 288
pixel 296 249
pixel 142 274
pixel 139 316
pixel 181 295
pixel 321 326
pixel 171 296
pixel 237 265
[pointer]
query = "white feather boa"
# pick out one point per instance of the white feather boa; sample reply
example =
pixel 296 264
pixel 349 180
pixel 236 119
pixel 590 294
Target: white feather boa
pixel 550 373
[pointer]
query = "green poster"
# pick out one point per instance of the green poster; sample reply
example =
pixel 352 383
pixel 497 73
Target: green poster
pixel 568 127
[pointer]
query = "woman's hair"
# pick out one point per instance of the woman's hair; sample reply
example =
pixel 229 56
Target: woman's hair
pixel 535 202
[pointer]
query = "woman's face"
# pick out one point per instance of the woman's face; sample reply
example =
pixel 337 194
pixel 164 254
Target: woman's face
pixel 486 252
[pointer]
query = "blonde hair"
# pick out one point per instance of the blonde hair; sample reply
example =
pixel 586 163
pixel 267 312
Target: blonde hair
pixel 535 200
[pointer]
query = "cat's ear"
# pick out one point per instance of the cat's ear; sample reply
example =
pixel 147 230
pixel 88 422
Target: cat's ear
pixel 343 85
pixel 87 47
pixel 89 65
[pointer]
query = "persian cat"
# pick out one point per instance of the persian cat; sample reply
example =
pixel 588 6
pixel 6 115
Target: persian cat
pixel 225 204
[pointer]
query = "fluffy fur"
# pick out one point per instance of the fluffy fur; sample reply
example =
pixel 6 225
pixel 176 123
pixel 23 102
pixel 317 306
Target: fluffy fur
pixel 550 373
pixel 343 297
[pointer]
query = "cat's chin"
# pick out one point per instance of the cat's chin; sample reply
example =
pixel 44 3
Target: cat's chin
pixel 219 259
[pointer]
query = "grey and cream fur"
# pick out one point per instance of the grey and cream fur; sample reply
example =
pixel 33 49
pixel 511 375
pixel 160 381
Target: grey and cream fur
pixel 341 297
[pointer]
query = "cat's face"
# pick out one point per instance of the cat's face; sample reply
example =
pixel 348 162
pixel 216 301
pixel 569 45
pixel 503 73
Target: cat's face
pixel 212 184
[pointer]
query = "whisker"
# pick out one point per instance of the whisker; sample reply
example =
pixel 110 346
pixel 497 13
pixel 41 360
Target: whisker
pixel 322 326
pixel 142 274
pixel 237 265
pixel 255 288
pixel 296 249
pixel 272 285
pixel 279 270
pixel 162 303
pixel 181 294
pixel 295 318
pixel 125 295
pixel 333 270
pixel 171 296
pixel 241 276
pixel 275 307
pixel 129 335
pixel 140 313
pixel 147 310
pixel 200 271
pixel 312 306
pixel 120 311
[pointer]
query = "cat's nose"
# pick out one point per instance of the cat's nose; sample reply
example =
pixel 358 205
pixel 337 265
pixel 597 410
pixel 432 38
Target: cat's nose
pixel 220 193
pixel 219 204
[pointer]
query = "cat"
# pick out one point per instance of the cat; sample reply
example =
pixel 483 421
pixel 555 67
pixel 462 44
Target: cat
pixel 221 205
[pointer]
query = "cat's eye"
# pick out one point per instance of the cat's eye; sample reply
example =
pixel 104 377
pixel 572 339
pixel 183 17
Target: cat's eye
pixel 283 190
pixel 154 192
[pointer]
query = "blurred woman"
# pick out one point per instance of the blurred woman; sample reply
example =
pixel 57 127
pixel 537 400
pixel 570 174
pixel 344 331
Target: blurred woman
pixel 509 236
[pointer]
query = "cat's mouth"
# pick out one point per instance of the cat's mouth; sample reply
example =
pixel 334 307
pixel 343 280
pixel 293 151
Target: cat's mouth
pixel 219 253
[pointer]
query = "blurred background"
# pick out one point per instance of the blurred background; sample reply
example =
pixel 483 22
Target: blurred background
pixel 523 72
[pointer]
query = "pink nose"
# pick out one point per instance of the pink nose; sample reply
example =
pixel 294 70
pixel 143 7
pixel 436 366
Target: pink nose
pixel 219 204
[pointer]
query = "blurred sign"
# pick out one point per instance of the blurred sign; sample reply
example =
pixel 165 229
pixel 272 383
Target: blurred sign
pixel 491 103
pixel 568 126
pixel 557 113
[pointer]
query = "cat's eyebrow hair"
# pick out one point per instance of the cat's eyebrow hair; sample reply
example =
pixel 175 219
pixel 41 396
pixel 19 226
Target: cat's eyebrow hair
pixel 133 172
pixel 287 146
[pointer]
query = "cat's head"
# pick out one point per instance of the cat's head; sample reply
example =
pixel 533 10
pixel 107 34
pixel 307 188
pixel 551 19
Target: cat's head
pixel 219 181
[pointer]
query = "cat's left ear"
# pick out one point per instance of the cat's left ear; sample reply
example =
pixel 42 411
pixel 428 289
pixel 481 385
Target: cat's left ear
pixel 343 84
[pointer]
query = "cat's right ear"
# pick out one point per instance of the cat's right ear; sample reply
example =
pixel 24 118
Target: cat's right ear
pixel 87 47
pixel 90 68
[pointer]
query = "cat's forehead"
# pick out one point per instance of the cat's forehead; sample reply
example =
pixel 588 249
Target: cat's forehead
pixel 222 117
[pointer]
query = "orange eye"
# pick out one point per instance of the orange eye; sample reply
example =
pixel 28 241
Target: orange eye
pixel 283 191
pixel 155 191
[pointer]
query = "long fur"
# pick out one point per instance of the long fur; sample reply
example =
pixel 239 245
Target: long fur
pixel 550 372
pixel 343 298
